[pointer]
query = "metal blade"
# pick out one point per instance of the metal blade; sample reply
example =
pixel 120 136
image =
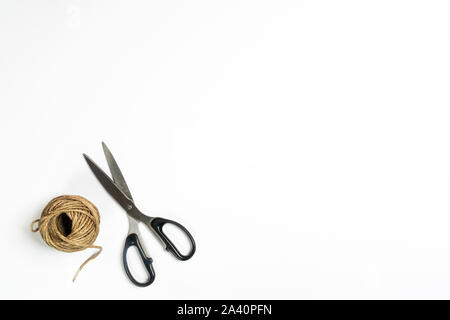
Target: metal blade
pixel 109 185
pixel 118 178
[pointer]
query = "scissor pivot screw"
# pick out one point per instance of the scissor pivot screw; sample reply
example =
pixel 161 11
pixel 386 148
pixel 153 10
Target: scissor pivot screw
pixel 130 207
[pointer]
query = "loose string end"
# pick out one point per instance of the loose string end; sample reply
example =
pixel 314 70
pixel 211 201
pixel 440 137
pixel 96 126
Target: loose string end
pixel 87 260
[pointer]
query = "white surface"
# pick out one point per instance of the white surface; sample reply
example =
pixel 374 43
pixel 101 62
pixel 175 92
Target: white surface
pixel 305 144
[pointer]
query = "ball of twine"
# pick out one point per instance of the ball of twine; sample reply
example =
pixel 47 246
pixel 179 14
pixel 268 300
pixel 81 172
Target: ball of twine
pixel 69 223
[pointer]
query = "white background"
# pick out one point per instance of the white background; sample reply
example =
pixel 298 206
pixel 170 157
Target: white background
pixel 305 144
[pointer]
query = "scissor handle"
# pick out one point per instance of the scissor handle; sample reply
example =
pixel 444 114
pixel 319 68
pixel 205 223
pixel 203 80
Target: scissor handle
pixel 157 225
pixel 133 240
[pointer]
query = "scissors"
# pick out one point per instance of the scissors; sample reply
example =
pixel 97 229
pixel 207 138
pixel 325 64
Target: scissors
pixel 118 189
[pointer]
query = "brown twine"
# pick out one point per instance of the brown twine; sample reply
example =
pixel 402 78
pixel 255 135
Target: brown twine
pixel 70 223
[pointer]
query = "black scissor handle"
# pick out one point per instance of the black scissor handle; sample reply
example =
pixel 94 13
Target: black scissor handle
pixel 157 225
pixel 133 240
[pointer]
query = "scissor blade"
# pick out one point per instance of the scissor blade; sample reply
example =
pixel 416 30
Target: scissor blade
pixel 117 175
pixel 109 185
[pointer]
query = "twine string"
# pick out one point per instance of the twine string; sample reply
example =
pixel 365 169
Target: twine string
pixel 70 223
